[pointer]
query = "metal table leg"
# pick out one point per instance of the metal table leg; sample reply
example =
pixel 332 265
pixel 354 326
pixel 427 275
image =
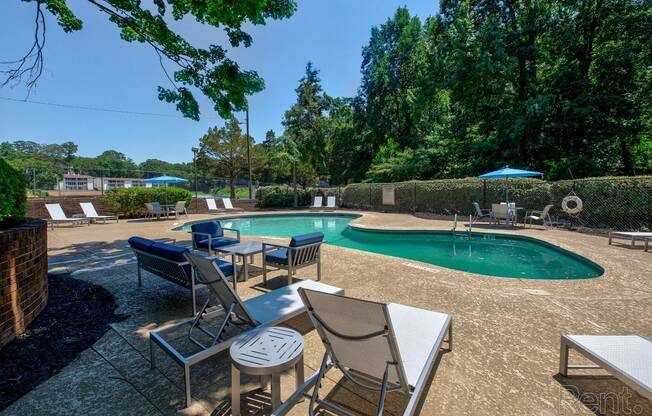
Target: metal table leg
pixel 235 391
pixel 276 390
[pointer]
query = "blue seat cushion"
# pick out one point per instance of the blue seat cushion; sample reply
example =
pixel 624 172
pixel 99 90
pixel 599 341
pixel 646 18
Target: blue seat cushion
pixel 213 228
pixel 140 243
pixel 215 242
pixel 278 256
pixel 226 267
pixel 170 252
pixel 305 239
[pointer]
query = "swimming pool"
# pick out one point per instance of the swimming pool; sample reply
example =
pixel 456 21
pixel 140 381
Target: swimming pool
pixel 487 254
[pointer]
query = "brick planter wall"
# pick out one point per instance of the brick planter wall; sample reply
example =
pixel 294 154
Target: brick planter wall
pixel 23 277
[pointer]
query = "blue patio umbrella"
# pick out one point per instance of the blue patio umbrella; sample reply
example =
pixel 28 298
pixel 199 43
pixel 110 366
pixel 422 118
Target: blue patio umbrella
pixel 508 172
pixel 165 180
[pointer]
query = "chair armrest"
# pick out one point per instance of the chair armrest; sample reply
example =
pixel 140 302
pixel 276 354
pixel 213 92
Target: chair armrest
pixel 234 230
pixel 172 241
pixel 210 238
pixel 272 246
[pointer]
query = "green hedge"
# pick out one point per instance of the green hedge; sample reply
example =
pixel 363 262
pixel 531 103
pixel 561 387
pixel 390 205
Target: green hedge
pixel 13 197
pixel 609 202
pixel 131 201
pixel 280 196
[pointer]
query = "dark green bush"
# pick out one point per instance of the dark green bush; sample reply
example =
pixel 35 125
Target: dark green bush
pixel 131 201
pixel 283 196
pixel 13 197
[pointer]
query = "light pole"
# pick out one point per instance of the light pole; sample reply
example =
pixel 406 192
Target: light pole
pixel 249 154
pixel 194 165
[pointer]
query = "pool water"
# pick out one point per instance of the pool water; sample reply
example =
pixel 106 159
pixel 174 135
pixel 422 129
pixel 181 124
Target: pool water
pixel 487 254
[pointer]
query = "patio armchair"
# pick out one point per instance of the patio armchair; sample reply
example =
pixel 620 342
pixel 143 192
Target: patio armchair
pixel 481 213
pixel 169 262
pixel 57 216
pixel 543 216
pixel 91 214
pixel 269 309
pixel 179 208
pixel 154 210
pixel 304 250
pixel 376 346
pixel 206 236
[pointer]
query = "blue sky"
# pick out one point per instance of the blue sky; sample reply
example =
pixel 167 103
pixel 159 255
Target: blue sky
pixel 95 68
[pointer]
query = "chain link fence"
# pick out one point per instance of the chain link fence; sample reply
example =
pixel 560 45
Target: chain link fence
pixel 623 203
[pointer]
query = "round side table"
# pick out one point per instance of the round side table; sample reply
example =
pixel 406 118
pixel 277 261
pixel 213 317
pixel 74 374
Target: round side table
pixel 266 352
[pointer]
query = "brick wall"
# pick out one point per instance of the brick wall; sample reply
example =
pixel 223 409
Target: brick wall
pixel 23 277
pixel 70 205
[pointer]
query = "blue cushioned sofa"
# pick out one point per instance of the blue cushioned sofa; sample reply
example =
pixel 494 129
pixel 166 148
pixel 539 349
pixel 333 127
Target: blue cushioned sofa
pixel 303 250
pixel 169 262
pixel 206 236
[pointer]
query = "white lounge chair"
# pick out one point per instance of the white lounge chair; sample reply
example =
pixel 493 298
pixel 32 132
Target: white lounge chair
pixel 377 346
pixel 91 214
pixel 631 236
pixel 330 203
pixel 628 357
pixel 229 206
pixel 481 213
pixel 212 206
pixel 317 203
pixel 543 216
pixel 269 309
pixel 57 216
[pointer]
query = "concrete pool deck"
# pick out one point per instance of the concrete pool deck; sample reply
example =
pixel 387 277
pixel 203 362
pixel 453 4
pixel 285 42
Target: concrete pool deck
pixel 507 331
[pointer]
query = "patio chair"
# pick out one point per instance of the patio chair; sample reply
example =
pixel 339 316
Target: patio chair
pixel 627 357
pixel 481 213
pixel 304 250
pixel 154 210
pixel 179 208
pixel 212 206
pixel 632 236
pixel 379 347
pixel 499 212
pixel 57 216
pixel 168 261
pixel 210 234
pixel 228 206
pixel 317 203
pixel 543 216
pixel 269 309
pixel 330 203
pixel 91 214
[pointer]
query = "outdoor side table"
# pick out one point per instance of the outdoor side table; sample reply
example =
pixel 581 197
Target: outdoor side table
pixel 244 249
pixel 265 352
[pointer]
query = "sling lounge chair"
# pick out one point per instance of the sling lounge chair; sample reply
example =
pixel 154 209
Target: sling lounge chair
pixel 628 357
pixel 228 206
pixel 212 206
pixel 481 213
pixel 91 214
pixel 330 203
pixel 543 216
pixel 631 236
pixel 317 203
pixel 269 309
pixel 377 346
pixel 57 216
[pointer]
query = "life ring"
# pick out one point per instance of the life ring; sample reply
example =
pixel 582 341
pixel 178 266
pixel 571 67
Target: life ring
pixel 574 199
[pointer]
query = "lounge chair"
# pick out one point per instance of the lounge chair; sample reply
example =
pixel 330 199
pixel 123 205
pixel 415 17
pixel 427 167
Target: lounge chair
pixel 543 216
pixel 648 243
pixel 57 216
pixel 228 206
pixel 210 234
pixel 317 203
pixel 179 208
pixel 303 250
pixel 91 214
pixel 377 346
pixel 631 236
pixel 628 357
pixel 330 203
pixel 269 309
pixel 168 261
pixel 212 206
pixel 481 213
pixel 154 210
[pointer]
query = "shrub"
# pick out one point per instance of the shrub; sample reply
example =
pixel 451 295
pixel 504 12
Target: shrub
pixel 13 197
pixel 131 201
pixel 283 196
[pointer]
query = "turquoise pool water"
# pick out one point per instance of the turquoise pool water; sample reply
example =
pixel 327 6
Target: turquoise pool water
pixel 488 254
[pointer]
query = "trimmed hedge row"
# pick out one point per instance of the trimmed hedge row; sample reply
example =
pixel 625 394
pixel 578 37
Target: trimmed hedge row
pixel 13 196
pixel 283 196
pixel 131 201
pixel 609 202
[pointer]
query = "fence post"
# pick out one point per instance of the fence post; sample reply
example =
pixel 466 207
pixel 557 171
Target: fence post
pixel 484 193
pixel 414 200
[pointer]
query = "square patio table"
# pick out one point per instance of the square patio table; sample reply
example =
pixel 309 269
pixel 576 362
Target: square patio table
pixel 243 249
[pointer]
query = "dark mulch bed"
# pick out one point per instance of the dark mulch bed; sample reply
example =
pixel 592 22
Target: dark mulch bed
pixel 78 313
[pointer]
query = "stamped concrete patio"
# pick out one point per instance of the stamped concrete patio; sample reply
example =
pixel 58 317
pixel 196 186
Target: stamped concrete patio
pixel 505 355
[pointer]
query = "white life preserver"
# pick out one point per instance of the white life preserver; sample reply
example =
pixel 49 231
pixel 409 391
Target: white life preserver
pixel 572 210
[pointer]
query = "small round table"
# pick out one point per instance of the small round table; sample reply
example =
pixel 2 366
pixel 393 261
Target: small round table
pixel 266 352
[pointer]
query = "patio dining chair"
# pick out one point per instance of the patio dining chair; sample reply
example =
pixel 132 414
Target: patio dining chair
pixel 179 208
pixel 154 210
pixel 377 346
pixel 499 212
pixel 543 216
